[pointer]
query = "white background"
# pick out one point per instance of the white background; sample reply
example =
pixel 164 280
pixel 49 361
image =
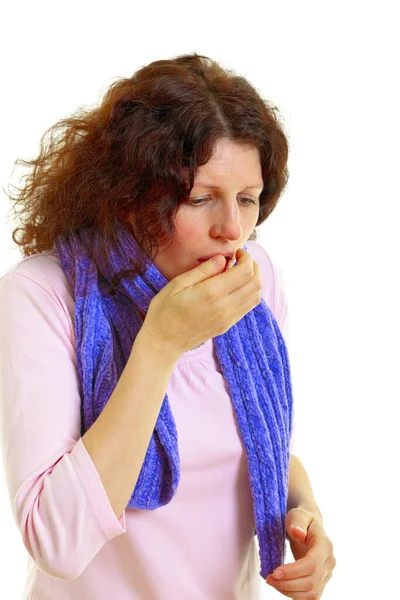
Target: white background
pixel 333 70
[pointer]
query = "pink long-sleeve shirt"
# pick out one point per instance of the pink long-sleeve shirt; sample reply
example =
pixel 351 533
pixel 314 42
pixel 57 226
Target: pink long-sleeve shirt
pixel 202 545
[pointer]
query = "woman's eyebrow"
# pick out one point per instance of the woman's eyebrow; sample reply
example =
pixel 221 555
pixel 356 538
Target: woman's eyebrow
pixel 216 187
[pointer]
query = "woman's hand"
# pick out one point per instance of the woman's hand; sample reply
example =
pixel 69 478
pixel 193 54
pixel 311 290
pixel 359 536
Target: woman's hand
pixel 202 303
pixel 306 578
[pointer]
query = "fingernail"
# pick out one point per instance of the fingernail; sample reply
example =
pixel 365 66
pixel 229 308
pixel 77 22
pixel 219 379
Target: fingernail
pixel 300 529
pixel 278 575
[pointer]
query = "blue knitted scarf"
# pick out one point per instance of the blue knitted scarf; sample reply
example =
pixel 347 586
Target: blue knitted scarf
pixel 253 359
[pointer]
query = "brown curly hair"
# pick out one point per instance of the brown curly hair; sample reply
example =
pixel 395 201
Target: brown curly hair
pixel 135 153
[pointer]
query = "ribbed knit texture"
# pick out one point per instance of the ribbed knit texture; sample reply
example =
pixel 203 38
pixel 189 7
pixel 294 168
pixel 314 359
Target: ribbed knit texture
pixel 253 359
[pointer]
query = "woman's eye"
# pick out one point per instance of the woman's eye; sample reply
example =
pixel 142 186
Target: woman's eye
pixel 197 201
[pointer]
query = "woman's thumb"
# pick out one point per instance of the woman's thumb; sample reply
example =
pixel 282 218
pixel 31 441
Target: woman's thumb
pixel 218 260
pixel 204 270
pixel 211 266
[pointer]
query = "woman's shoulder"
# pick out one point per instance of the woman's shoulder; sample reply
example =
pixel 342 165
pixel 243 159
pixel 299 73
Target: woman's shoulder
pixel 273 287
pixel 37 281
pixel 44 269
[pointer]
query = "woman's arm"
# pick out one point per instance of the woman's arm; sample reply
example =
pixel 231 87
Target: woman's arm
pixel 300 491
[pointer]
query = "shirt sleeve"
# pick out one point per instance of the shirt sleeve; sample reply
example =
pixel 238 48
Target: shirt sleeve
pixel 57 498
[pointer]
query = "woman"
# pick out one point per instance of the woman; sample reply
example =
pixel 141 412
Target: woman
pixel 155 400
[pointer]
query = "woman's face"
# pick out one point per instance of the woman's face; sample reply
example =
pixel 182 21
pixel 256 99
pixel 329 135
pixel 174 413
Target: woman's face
pixel 224 216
